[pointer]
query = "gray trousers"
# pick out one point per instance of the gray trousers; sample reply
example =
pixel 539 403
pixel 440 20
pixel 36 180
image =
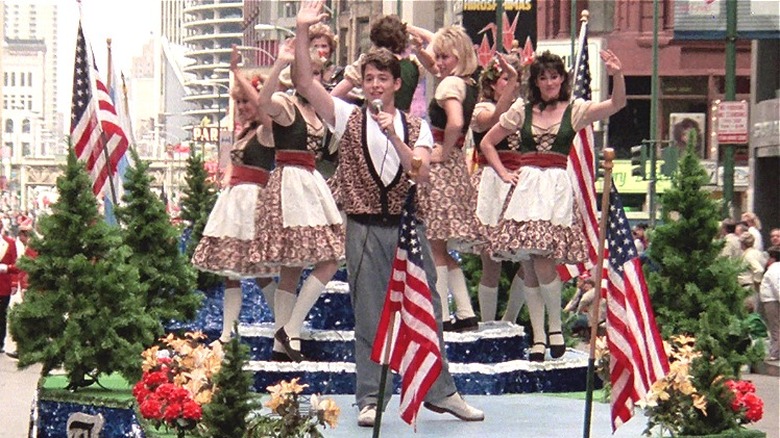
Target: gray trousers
pixel 370 250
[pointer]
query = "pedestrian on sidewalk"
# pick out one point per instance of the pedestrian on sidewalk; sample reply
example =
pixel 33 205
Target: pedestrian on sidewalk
pixel 769 296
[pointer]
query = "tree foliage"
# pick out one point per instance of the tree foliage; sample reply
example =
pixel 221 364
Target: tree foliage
pixel 167 278
pixel 199 198
pixel 83 309
pixel 233 401
pixel 696 290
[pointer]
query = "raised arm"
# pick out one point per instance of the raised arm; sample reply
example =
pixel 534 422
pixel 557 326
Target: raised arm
pixel 486 119
pixel 246 86
pixel 488 148
pixel 265 97
pixel 616 102
pixel 309 14
pixel 420 39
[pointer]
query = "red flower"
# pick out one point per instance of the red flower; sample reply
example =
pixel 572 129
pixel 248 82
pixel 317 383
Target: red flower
pixel 154 378
pixel 172 412
pixel 140 391
pixel 164 360
pixel 192 410
pixel 166 391
pixel 754 407
pixel 152 408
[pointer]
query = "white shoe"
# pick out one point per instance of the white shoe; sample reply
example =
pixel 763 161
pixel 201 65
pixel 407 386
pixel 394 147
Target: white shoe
pixel 367 416
pixel 456 406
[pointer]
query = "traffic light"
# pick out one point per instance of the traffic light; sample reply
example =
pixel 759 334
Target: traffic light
pixel 670 156
pixel 639 157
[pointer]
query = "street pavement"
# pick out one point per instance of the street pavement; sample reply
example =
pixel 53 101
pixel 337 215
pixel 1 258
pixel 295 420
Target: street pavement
pixel 526 415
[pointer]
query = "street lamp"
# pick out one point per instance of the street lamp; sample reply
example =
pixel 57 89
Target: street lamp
pixel 259 50
pixel 265 27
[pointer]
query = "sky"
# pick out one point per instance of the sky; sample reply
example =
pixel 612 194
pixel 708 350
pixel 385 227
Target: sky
pixel 129 23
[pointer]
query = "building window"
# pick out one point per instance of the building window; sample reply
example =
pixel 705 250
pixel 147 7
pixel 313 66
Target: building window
pixel 13 79
pixel 29 78
pixel 26 149
pixel 290 10
pixel 26 126
pixel 9 125
pixel 5 79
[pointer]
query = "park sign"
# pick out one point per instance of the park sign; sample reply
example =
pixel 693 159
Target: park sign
pixel 477 14
pixel 205 134
pixel 732 122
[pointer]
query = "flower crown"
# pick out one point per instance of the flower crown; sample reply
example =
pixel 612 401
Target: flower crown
pixel 492 72
pixel 257 82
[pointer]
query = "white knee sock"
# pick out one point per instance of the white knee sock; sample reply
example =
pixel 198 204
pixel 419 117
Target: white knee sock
pixel 551 293
pixel 488 302
pixel 231 308
pixel 535 302
pixel 460 291
pixel 442 288
pixel 268 294
pixel 516 300
pixel 284 302
pixel 310 291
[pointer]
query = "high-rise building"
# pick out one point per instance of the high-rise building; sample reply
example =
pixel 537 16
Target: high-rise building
pixel 172 20
pixel 211 28
pixel 27 24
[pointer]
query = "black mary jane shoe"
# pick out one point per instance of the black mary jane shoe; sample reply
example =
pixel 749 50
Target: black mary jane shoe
pixel 294 355
pixel 534 356
pixel 557 350
pixel 465 325
pixel 278 356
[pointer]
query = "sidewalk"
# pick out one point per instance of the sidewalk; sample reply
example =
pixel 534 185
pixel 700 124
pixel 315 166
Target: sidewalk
pixel 531 415
pixel 18 390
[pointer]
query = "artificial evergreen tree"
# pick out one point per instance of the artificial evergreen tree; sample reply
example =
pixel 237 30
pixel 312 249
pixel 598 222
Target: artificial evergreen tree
pixel 199 198
pixel 695 291
pixel 166 275
pixel 83 310
pixel 232 402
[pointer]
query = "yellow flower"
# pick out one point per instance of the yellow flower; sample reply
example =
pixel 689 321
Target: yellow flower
pixel 203 397
pixel 150 358
pixel 276 401
pixel 700 403
pixel 330 412
pixel 293 386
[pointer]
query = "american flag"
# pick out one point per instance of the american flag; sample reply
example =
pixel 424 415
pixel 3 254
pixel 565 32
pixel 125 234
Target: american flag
pixel 416 355
pixel 94 126
pixel 581 168
pixel 637 357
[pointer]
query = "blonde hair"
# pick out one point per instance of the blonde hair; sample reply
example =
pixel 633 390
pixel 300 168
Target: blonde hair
pixel 317 63
pixel 254 76
pixel 751 219
pixel 454 41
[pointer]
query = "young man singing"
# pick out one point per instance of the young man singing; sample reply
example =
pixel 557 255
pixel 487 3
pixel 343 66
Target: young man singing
pixel 378 143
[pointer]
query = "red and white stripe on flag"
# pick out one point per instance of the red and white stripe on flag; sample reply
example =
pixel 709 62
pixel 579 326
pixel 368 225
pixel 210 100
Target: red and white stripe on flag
pixel 415 352
pixel 95 127
pixel 581 170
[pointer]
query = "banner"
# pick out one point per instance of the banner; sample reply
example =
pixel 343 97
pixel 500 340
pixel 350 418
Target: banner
pixel 520 14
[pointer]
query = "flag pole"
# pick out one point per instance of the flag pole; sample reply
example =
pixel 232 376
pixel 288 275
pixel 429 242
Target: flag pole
pixel 609 156
pixel 103 134
pixel 380 402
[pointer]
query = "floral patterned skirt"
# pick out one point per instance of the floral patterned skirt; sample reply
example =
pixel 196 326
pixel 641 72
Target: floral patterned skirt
pixel 538 217
pixel 230 234
pixel 447 203
pixel 299 224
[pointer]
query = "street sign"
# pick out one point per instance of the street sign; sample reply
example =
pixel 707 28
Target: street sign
pixel 732 124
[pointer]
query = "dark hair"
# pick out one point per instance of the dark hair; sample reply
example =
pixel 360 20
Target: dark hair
pixel 729 225
pixel 490 76
pixel 774 252
pixel 547 62
pixel 383 60
pixel 390 32
pixel 679 130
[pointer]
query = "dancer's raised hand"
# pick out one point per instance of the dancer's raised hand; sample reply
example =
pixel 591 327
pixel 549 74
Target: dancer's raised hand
pixel 310 13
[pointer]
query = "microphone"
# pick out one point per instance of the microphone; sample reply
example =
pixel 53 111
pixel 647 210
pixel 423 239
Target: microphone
pixel 376 106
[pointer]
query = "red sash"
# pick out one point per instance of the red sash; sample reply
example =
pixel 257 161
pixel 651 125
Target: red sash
pixel 248 175
pixel 438 137
pixel 303 159
pixel 515 160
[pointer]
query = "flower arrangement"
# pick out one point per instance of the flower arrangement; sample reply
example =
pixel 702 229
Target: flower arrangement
pixel 177 381
pixel 696 397
pixel 291 416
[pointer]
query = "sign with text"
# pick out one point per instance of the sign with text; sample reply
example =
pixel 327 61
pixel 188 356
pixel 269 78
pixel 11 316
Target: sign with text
pixel 480 13
pixel 732 124
pixel 205 134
